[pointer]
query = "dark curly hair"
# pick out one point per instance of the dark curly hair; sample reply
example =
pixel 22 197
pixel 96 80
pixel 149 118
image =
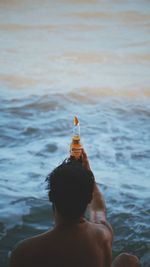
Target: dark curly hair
pixel 71 188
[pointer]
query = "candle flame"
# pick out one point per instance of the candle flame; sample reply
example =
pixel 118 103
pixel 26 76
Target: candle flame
pixel 76 121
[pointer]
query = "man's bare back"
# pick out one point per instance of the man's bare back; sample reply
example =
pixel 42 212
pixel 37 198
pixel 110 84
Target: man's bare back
pixel 79 244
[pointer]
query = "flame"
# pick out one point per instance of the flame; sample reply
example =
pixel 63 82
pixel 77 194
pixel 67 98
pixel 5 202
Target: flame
pixel 76 121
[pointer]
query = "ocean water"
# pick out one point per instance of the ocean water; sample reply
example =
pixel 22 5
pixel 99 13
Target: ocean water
pixel 63 58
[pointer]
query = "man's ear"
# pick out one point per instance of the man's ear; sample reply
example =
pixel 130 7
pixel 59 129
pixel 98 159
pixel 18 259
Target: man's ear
pixel 50 196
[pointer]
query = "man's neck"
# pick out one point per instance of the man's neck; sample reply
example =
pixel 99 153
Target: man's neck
pixel 60 220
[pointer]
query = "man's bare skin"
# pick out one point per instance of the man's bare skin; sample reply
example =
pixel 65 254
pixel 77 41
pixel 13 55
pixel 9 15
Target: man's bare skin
pixel 76 244
pixel 72 243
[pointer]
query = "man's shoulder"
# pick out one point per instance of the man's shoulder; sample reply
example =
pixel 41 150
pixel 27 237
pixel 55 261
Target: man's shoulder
pixel 18 255
pixel 25 250
pixel 103 230
pixel 23 244
pixel 102 238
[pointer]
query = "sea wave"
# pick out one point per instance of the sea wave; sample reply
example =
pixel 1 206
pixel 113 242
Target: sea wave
pixel 125 102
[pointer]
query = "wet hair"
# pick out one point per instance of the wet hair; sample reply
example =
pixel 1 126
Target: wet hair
pixel 71 188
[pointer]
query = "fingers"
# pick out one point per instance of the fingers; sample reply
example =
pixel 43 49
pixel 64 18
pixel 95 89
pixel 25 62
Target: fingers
pixel 84 155
pixel 85 161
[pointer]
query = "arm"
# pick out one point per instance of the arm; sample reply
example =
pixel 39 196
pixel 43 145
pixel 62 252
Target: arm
pixel 97 207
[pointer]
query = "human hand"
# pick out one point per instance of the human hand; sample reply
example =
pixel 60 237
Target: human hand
pixel 85 161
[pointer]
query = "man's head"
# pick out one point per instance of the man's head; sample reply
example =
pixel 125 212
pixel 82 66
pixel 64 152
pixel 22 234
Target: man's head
pixel 70 189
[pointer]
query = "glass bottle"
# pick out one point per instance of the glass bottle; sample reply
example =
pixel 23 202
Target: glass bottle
pixel 76 147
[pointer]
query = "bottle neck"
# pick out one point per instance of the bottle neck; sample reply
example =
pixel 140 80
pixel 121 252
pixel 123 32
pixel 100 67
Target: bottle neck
pixel 75 141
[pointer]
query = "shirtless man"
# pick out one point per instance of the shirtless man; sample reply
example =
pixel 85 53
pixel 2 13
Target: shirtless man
pixel 74 241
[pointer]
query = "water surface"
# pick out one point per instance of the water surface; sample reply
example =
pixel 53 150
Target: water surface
pixel 85 58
